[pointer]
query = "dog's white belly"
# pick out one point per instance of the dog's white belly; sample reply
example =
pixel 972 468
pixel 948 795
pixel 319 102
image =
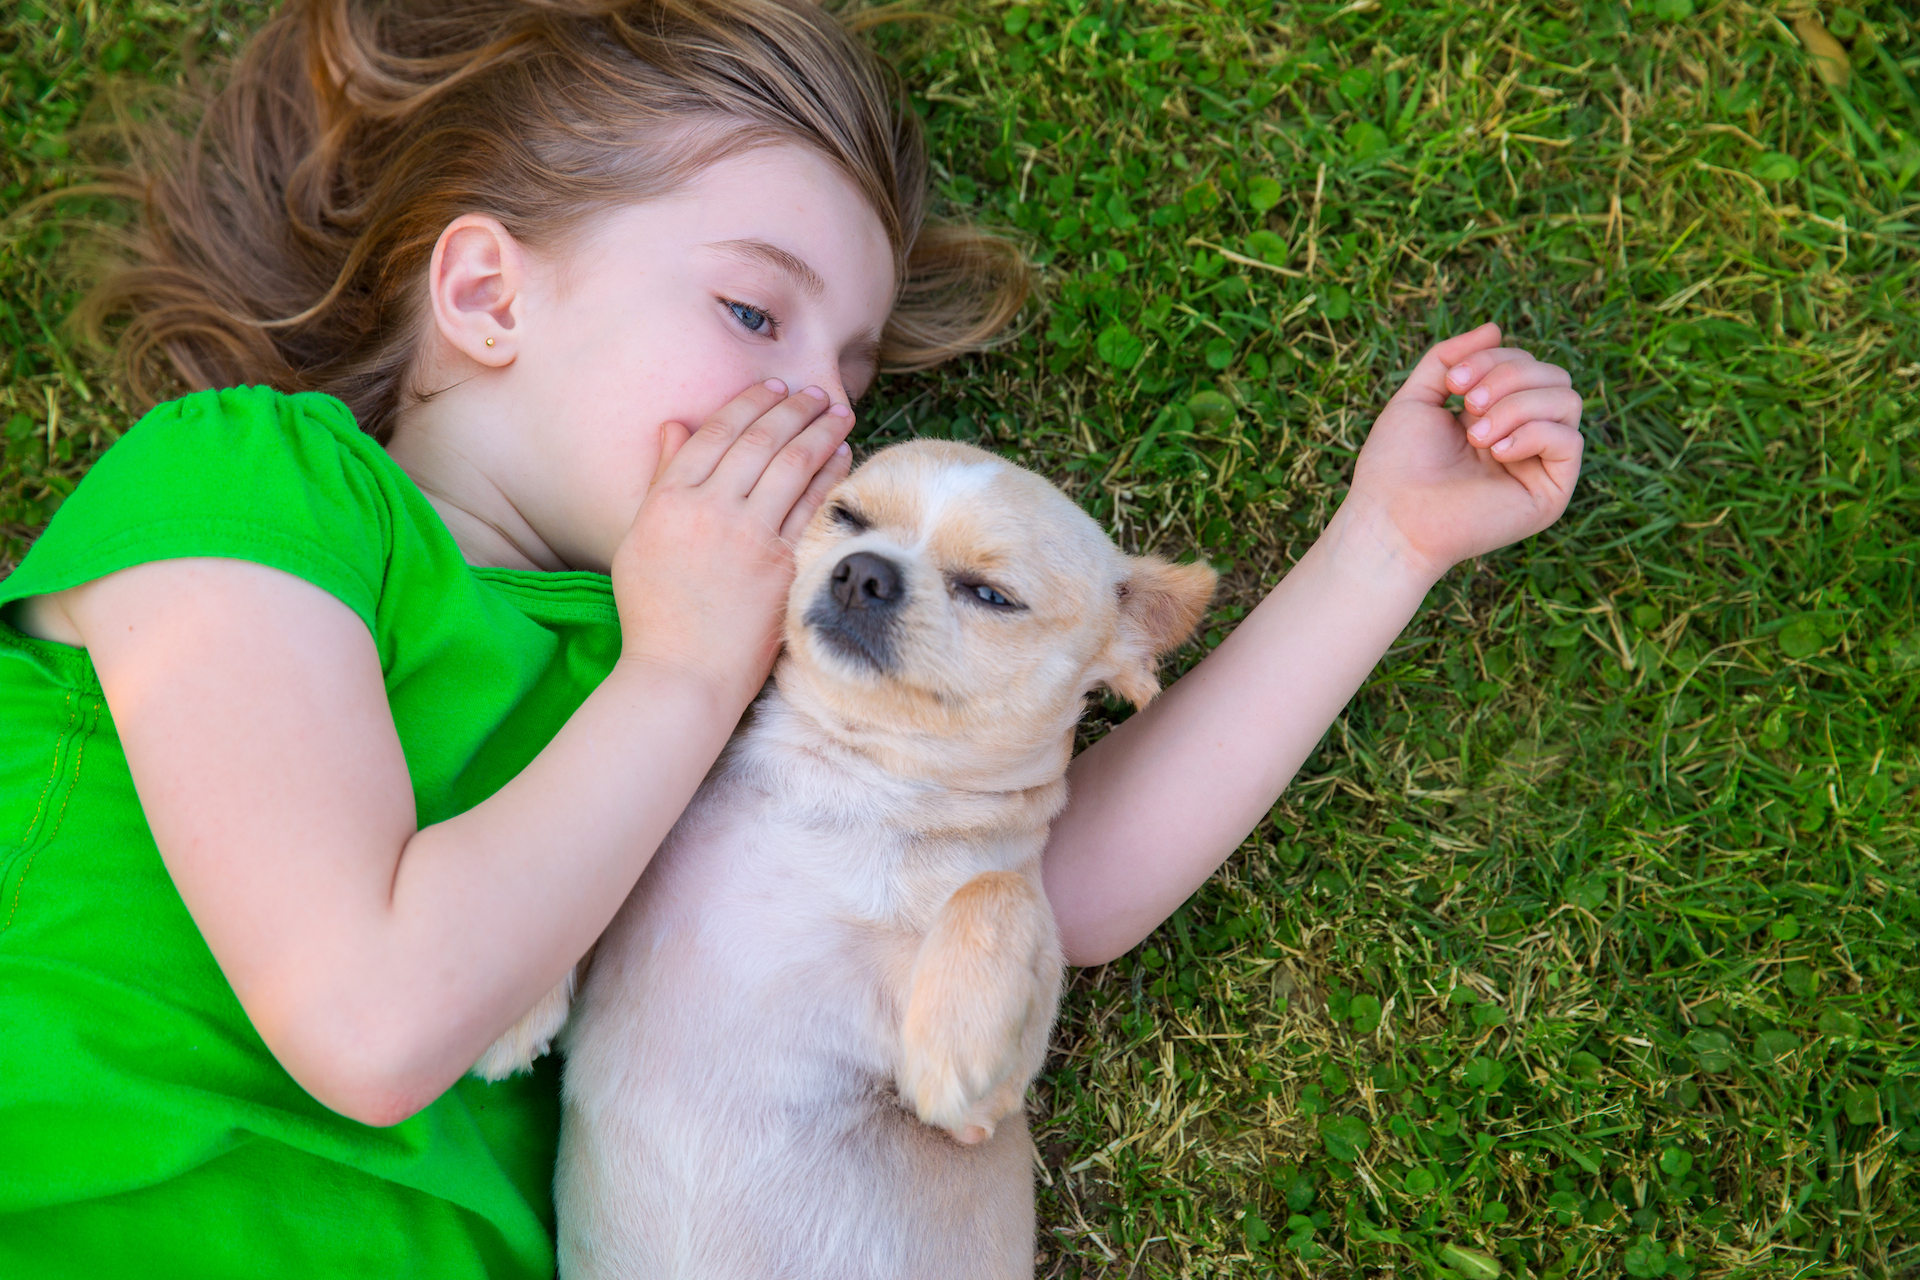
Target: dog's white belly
pixel 730 1108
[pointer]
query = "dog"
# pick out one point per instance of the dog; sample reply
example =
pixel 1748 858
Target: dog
pixel 801 1050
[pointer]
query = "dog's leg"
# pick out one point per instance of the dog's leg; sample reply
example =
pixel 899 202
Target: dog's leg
pixel 980 1003
pixel 530 1037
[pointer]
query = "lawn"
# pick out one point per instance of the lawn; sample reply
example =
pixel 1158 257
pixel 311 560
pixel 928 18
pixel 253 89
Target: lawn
pixel 1586 943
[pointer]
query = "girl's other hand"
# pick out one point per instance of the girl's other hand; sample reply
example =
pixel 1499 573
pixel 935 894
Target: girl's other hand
pixel 1459 485
pixel 701 578
pixel 1158 804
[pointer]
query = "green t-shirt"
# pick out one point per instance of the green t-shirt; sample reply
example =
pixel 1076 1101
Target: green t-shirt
pixel 144 1128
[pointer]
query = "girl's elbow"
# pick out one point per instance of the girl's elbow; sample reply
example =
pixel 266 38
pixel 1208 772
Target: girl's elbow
pixel 357 1075
pixel 378 1103
pixel 1089 956
pixel 1084 947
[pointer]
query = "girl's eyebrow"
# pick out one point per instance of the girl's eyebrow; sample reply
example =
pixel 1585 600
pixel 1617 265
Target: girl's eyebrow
pixel 761 253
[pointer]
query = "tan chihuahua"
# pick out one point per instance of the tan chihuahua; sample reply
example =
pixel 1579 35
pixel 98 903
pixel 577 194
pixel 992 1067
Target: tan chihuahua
pixel 804 1044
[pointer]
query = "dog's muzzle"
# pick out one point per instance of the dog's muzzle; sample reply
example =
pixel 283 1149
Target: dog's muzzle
pixel 856 613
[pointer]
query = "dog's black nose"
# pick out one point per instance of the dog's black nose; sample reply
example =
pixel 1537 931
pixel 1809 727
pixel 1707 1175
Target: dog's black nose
pixel 866 581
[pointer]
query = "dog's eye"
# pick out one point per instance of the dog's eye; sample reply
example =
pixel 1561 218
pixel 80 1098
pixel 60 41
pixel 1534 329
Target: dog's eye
pixel 843 514
pixel 981 593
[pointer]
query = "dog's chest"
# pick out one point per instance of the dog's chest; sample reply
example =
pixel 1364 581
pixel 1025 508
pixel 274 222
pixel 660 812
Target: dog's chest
pixel 780 830
pixel 785 909
pixel 774 870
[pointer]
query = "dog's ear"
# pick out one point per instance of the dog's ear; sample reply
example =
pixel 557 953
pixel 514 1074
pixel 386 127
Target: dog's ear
pixel 1160 603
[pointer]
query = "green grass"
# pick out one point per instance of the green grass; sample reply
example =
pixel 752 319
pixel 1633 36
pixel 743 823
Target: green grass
pixel 1585 945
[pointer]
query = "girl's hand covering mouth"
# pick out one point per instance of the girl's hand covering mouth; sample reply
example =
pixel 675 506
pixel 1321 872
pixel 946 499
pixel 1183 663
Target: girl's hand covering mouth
pixel 702 576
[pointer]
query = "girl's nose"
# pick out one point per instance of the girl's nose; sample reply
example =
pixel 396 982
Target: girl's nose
pixel 826 377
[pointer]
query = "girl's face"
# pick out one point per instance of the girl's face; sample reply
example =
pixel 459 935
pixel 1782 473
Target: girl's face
pixel 768 265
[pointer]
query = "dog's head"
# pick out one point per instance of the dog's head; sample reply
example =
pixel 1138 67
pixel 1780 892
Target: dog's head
pixel 951 611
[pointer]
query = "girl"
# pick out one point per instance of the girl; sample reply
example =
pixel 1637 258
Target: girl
pixel 334 727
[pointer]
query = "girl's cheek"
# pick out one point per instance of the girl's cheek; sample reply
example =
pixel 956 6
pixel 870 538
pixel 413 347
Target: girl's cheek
pixel 692 379
pixel 703 386
pixel 647 452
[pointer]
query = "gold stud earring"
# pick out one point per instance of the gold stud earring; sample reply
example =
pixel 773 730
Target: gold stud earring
pixel 489 341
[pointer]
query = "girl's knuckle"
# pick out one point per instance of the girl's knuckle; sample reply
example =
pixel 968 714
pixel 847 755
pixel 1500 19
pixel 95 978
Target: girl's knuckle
pixel 797 457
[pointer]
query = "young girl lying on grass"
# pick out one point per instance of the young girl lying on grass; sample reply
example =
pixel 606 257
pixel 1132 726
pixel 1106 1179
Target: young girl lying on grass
pixel 334 727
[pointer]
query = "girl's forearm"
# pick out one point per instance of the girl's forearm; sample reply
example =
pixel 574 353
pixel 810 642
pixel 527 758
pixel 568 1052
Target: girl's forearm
pixel 545 862
pixel 1158 804
pixel 377 961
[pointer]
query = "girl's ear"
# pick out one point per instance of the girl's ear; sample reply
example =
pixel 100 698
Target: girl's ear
pixel 1160 604
pixel 475 282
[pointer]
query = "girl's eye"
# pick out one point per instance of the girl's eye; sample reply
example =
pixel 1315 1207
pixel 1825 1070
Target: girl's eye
pixel 753 319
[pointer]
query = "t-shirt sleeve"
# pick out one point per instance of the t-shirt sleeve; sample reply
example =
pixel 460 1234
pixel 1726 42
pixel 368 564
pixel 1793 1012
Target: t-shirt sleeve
pixel 287 481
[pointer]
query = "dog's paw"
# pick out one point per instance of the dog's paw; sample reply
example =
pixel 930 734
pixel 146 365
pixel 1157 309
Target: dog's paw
pixel 982 997
pixel 970 1135
pixel 530 1037
pixel 943 1095
pixel 969 1116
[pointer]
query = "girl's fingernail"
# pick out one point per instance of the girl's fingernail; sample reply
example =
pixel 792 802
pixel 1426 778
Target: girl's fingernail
pixel 776 386
pixel 842 451
pixel 1479 432
pixel 840 411
pixel 1478 399
pixel 815 392
pixel 1462 374
pixel 1504 445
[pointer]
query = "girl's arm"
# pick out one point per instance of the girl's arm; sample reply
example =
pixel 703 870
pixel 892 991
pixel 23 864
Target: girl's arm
pixel 378 961
pixel 1158 804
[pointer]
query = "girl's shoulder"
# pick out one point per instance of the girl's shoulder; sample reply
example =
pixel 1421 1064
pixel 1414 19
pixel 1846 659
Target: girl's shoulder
pixel 242 436
pixel 250 473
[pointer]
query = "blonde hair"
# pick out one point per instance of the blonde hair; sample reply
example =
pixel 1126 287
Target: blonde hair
pixel 285 240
